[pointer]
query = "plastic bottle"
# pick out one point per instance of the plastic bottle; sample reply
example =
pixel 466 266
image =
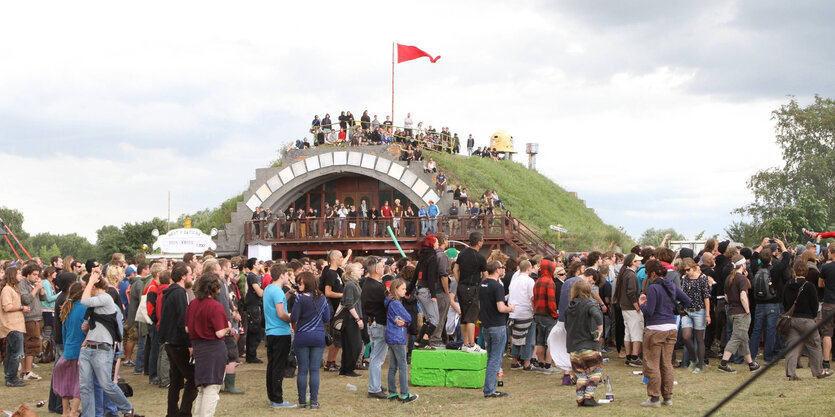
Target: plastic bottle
pixel 6 413
pixel 500 375
pixel 351 387
pixel 610 395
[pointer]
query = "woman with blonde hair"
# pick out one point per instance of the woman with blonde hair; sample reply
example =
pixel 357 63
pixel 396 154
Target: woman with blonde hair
pixel 350 310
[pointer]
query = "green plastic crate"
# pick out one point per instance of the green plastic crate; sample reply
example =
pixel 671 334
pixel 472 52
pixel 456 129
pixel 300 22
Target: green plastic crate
pixel 465 379
pixel 429 359
pixel 455 359
pixel 427 377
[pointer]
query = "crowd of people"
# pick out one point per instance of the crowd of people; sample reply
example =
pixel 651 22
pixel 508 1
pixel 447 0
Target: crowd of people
pixel 186 324
pixel 340 220
pixel 346 130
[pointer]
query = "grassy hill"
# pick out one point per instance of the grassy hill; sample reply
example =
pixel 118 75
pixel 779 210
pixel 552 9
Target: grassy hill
pixel 536 200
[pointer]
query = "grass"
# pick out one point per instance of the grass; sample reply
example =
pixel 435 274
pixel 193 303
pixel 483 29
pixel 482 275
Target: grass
pixel 535 199
pixel 531 394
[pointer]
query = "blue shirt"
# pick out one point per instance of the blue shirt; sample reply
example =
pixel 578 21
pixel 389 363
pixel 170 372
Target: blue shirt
pixel 123 292
pixel 275 326
pixel 310 317
pixel 422 213
pixel 565 296
pixel 71 328
pixel 433 210
pixel 396 335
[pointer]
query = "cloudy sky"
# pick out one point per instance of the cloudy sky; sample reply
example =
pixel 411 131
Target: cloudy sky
pixel 656 113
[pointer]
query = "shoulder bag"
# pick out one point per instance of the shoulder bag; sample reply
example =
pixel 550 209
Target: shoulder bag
pixel 784 322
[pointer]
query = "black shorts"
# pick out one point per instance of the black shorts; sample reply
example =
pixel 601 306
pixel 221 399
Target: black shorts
pixel 468 300
pixel 231 349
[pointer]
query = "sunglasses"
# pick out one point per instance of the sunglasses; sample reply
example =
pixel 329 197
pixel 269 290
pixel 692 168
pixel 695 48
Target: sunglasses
pixel 687 269
pixel 560 275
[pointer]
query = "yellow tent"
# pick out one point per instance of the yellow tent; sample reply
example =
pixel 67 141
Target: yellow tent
pixel 502 141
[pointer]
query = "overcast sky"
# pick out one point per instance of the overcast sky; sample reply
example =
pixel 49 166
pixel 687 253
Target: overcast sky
pixel 656 113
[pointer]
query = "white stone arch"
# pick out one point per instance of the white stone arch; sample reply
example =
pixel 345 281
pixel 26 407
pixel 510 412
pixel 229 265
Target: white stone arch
pixel 284 186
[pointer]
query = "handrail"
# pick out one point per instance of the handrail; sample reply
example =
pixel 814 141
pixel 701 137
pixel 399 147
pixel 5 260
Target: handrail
pixel 407 228
pixel 310 228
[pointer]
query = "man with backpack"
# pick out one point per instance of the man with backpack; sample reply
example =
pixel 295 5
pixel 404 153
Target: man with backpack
pixel 769 278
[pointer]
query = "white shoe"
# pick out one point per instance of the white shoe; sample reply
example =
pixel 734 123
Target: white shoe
pixel 31 376
pixel 466 349
pixel 477 349
pixel 547 371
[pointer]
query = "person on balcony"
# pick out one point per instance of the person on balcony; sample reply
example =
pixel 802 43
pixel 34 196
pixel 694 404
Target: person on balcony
pixel 364 215
pixel 342 213
pixel 271 220
pixel 423 214
pixel 433 213
pixel 453 225
pixel 397 212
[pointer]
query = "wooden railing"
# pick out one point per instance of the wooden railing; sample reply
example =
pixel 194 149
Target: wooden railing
pixel 309 229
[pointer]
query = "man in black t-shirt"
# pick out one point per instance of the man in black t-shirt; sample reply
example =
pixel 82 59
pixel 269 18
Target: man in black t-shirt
pixel 254 316
pixel 827 278
pixel 493 324
pixel 330 284
pixel 470 268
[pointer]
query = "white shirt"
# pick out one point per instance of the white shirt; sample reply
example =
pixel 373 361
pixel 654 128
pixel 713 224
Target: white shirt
pixel 520 294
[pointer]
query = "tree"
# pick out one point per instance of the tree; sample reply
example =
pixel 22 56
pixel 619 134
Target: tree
pixel 109 240
pixel 796 195
pixel 13 219
pixel 747 233
pixel 654 237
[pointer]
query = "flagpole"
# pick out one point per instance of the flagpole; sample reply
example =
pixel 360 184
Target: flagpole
pixel 392 86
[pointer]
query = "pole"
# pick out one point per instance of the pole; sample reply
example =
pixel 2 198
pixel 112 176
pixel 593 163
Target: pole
pixel 393 46
pixel 168 225
pixel 15 239
pixel 13 249
pixel 396 243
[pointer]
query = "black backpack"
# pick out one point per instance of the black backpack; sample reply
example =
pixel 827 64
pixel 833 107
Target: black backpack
pixel 761 286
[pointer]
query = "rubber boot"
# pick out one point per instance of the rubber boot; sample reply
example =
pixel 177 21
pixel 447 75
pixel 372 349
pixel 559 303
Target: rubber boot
pixel 229 385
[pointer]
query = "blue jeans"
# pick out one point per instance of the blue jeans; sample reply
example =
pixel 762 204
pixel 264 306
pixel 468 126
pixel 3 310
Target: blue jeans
pixel 495 339
pixel 377 334
pixel 424 226
pixel 309 359
pixel 766 315
pixel 103 404
pixel 433 225
pixel 98 364
pixel 398 364
pixel 154 356
pixel 14 353
pixel 524 352
pixel 139 365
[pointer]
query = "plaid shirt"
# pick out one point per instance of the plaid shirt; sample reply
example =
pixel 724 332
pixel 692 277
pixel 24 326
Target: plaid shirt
pixel 545 297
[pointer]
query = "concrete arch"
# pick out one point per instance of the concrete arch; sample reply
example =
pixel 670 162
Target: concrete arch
pixel 300 176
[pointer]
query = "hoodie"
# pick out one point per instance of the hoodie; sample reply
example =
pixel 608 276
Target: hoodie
pixel 427 273
pixel 582 318
pixel 172 323
pixel 672 274
pixel 659 308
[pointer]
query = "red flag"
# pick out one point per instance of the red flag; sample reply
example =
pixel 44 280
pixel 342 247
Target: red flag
pixel 408 53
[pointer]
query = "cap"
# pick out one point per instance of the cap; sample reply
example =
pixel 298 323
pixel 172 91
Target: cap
pixel 639 258
pixel 130 270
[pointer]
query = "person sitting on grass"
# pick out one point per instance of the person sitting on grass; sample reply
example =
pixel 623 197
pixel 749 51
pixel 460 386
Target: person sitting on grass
pixel 398 320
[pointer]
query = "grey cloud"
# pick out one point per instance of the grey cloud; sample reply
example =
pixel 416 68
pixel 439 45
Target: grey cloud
pixel 765 49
